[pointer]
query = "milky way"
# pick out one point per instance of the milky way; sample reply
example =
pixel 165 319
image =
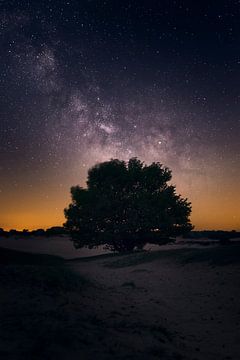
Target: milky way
pixel 83 82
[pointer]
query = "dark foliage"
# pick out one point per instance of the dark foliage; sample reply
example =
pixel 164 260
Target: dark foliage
pixel 13 232
pixel 38 232
pixel 51 232
pixel 126 205
pixel 220 235
pixel 3 233
pixel 55 231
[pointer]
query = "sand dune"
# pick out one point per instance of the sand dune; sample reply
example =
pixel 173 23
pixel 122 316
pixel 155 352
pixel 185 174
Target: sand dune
pixel 181 303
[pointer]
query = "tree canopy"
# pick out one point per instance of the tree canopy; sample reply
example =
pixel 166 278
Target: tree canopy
pixel 126 205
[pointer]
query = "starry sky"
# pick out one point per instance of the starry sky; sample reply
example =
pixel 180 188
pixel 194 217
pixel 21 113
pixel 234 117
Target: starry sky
pixel 85 81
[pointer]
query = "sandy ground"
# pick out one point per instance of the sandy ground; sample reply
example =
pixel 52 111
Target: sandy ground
pixel 136 307
pixel 62 246
pixel 56 245
pixel 198 304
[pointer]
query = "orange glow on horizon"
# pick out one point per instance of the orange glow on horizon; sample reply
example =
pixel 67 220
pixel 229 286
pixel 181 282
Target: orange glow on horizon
pixel 210 210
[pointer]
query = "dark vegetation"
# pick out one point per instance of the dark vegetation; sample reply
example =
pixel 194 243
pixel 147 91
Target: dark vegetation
pixel 40 270
pixel 34 291
pixel 125 206
pixel 220 235
pixel 52 231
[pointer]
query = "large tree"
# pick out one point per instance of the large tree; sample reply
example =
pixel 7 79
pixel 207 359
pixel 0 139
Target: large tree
pixel 126 205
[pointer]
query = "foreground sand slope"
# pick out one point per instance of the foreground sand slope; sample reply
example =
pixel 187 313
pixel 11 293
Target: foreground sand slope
pixel 171 305
pixel 196 302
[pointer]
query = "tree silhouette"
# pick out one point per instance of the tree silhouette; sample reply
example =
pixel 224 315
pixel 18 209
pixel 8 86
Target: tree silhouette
pixel 126 205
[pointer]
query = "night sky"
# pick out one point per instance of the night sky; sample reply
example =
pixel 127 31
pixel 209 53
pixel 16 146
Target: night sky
pixel 86 81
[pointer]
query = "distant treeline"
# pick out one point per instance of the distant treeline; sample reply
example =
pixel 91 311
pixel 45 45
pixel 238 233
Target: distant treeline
pixel 213 235
pixel 59 230
pixel 53 231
